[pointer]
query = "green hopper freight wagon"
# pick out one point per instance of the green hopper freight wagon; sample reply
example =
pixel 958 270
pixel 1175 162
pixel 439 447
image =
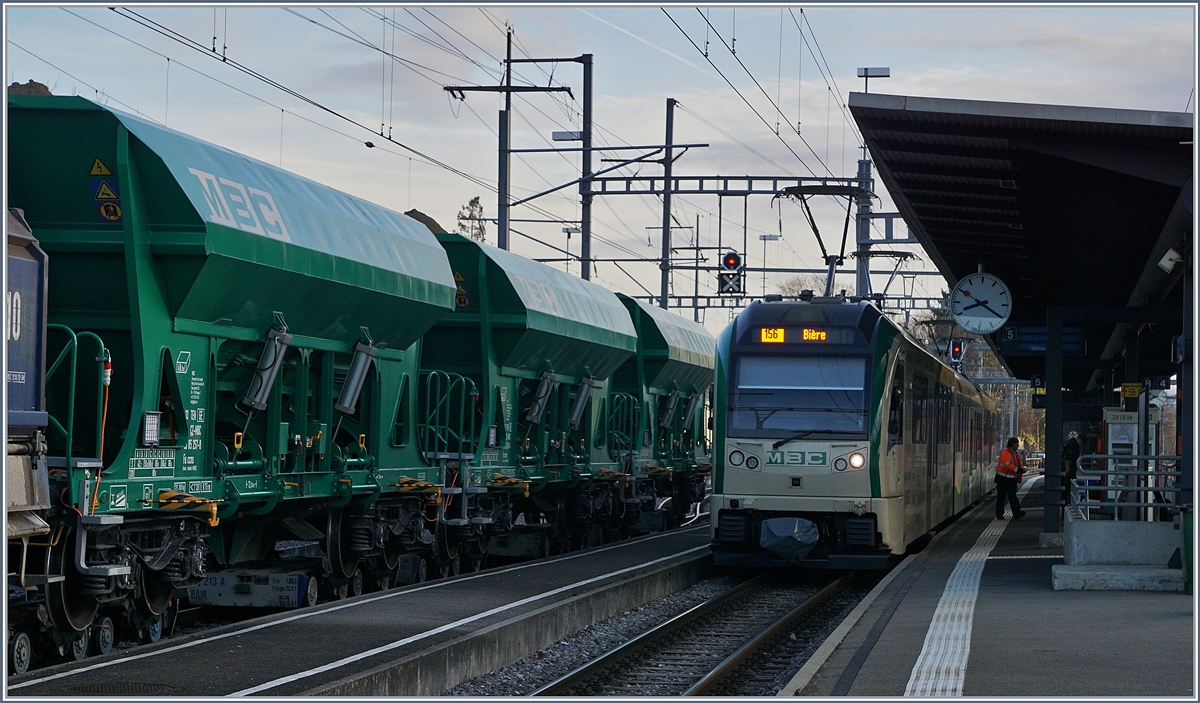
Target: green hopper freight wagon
pixel 657 413
pixel 262 335
pixel 535 347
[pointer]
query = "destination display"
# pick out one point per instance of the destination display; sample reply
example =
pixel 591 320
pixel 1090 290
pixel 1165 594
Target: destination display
pixel 806 335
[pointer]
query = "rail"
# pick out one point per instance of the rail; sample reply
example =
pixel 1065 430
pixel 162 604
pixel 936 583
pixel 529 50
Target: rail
pixel 1113 494
pixel 706 685
pixel 565 683
pixel 673 629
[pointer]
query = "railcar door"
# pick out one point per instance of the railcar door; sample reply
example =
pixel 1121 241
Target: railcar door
pixel 942 454
pixel 922 450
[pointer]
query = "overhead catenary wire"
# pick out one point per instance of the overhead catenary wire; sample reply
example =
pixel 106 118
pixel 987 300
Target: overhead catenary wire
pixel 739 94
pixel 98 91
pixel 737 141
pixel 830 81
pixel 778 111
pixel 171 34
pixel 361 40
pixel 420 158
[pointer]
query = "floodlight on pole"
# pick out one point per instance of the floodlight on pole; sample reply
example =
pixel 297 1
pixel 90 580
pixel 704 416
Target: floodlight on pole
pixel 867 73
pixel 766 238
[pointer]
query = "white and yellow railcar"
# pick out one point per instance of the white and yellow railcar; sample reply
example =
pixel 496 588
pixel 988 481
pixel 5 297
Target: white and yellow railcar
pixel 839 439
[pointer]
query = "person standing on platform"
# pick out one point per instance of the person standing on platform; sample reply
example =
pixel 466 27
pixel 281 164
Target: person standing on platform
pixel 1008 476
pixel 1071 449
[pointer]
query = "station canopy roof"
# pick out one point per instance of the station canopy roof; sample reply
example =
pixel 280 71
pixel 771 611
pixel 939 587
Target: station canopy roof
pixel 1069 206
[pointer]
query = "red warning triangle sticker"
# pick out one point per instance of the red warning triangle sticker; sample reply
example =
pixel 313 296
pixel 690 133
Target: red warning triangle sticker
pixel 105 192
pixel 99 169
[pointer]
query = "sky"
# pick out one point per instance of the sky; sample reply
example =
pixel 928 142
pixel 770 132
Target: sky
pixel 353 72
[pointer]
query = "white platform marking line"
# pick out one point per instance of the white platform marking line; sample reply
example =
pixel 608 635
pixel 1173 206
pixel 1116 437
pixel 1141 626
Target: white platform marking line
pixel 942 664
pixel 307 613
pixel 449 626
pixel 1025 556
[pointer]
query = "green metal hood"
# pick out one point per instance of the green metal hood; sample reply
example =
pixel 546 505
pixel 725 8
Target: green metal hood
pixel 539 315
pixel 677 353
pixel 236 239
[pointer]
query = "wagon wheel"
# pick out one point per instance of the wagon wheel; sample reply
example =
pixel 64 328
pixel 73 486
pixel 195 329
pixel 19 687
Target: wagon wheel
pixel 156 593
pixel 20 653
pixel 311 592
pixel 475 556
pixel 390 557
pixel 70 610
pixel 103 635
pixel 152 631
pixel 78 651
pixel 341 560
pixel 450 567
pixel 560 535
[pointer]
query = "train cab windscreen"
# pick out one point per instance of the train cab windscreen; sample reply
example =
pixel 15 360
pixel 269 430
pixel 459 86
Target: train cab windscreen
pixel 775 396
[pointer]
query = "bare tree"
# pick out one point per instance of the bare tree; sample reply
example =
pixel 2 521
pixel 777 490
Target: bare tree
pixel 806 281
pixel 470 220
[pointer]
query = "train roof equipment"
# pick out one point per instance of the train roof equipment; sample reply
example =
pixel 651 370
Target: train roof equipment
pixel 228 232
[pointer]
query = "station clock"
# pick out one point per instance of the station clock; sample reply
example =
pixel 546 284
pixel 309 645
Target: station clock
pixel 981 303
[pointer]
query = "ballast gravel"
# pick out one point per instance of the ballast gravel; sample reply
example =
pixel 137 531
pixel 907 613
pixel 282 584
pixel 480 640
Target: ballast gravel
pixel 546 665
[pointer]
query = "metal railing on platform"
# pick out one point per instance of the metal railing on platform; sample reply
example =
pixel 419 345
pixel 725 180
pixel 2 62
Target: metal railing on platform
pixel 1133 487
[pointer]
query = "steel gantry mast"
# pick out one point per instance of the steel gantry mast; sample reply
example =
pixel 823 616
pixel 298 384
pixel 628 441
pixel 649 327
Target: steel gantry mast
pixel 859 189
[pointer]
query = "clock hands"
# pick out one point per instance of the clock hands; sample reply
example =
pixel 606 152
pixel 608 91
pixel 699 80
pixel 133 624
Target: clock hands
pixel 979 303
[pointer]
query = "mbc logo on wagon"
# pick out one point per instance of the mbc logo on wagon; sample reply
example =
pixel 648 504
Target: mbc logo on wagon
pixel 245 207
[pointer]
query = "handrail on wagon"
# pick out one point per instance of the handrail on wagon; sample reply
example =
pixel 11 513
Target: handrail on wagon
pixel 70 351
pixel 624 422
pixel 446 425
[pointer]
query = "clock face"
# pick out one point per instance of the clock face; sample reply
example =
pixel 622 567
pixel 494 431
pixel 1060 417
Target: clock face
pixel 981 303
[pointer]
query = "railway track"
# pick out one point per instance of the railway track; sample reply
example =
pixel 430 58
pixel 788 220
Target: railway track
pixel 726 646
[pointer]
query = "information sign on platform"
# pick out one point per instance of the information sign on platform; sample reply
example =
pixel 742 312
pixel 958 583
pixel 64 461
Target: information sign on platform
pixel 1030 340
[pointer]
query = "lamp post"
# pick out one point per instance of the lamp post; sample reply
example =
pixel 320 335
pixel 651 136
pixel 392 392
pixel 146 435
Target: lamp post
pixel 867 73
pixel 766 238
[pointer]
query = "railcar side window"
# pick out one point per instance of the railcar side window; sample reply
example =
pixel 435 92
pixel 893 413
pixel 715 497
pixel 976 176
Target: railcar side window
pixel 920 409
pixel 896 408
pixel 943 414
pixel 776 396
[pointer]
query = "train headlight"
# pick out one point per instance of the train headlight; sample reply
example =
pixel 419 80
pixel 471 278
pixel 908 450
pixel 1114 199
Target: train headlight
pixel 857 460
pixel 839 464
pixel 736 458
pixel 751 462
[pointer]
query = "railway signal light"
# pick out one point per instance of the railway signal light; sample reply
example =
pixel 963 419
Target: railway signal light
pixel 731 275
pixel 958 350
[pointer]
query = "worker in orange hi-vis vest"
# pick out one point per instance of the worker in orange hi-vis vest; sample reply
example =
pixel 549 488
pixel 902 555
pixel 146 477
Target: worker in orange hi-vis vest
pixel 1008 476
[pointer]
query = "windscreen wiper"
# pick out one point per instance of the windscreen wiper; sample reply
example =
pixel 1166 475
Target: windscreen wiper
pixel 800 435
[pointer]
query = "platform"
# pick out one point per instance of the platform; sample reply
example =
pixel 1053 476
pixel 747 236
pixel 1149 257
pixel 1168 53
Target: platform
pixel 418 640
pixel 975 614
